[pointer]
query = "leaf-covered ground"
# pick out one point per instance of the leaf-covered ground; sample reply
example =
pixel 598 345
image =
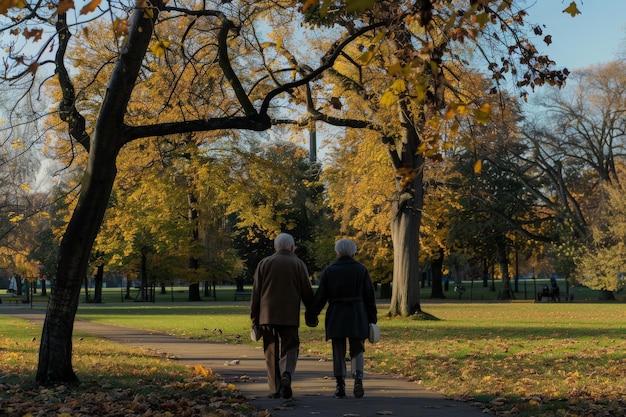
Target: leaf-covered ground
pixel 202 394
pixel 116 381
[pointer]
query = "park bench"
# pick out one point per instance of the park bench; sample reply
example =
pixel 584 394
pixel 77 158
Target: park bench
pixel 12 300
pixel 242 295
pixel 556 297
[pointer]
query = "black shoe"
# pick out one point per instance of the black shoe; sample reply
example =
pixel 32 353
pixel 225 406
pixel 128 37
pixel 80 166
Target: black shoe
pixel 285 385
pixel 274 395
pixel 358 388
pixel 340 392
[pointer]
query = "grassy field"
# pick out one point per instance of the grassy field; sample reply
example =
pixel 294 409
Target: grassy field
pixel 529 359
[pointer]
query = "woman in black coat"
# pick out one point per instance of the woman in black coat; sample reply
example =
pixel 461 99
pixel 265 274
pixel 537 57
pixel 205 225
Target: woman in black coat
pixel 347 288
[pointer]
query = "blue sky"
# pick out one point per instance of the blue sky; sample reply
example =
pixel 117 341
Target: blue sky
pixel 594 37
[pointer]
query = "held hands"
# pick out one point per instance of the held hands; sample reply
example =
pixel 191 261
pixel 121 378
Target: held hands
pixel 311 320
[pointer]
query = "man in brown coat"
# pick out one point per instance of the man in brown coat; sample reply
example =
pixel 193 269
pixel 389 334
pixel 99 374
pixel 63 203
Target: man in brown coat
pixel 281 283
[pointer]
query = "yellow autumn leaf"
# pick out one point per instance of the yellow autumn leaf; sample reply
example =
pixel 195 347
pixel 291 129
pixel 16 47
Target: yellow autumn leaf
pixel 202 371
pixel 16 219
pixel 395 69
pixel 478 166
pixel 398 86
pixel 379 36
pixel 16 144
pixel 279 43
pixel 366 57
pixel 482 19
pixel 388 99
pixel 120 26
pixel 572 9
pixel 159 48
pixel 25 187
pixel 449 114
pixel 64 6
pixel 482 114
pixel 90 7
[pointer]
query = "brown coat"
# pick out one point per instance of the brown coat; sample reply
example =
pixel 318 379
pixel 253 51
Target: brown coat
pixel 281 283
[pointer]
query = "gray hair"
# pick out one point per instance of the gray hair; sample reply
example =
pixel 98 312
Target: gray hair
pixel 284 241
pixel 345 247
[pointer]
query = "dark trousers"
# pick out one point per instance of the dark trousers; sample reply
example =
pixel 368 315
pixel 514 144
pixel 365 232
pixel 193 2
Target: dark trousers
pixel 281 346
pixel 357 347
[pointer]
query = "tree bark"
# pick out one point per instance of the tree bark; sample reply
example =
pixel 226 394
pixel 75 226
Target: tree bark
pixel 406 220
pixel 506 292
pixel 55 351
pixel 98 279
pixel 437 268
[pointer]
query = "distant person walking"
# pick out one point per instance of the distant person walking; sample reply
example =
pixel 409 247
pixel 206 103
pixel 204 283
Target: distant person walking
pixel 281 283
pixel 347 288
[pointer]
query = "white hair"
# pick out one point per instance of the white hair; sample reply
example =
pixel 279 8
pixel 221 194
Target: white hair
pixel 345 247
pixel 284 241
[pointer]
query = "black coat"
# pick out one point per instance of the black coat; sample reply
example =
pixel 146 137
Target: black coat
pixel 347 288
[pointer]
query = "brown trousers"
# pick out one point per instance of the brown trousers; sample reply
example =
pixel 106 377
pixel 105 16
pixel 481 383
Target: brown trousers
pixel 281 345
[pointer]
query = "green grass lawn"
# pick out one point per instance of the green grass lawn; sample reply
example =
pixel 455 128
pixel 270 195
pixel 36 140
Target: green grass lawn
pixel 530 359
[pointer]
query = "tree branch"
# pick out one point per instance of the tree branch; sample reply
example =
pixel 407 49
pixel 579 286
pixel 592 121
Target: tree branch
pixel 69 112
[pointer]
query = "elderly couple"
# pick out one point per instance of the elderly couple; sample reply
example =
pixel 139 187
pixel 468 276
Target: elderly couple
pixel 281 283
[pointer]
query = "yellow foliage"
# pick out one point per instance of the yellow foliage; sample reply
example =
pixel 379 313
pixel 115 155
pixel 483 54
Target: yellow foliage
pixel 388 98
pixel 90 7
pixel 202 371
pixel 366 57
pixel 572 9
pixel 478 166
pixel 159 48
pixel 482 114
pixel 5 5
pixel 64 6
pixel 482 19
pixel 395 70
pixel 398 86
pixel 120 26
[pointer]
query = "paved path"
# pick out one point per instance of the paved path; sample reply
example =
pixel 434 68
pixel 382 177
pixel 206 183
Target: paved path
pixel 313 385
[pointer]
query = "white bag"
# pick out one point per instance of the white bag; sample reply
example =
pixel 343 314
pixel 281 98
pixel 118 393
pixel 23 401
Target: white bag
pixel 374 335
pixel 255 333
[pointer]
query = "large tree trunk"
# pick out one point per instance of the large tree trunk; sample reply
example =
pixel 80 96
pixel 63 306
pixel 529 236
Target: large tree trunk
pixel 97 283
pixel 193 263
pixel 405 290
pixel 406 220
pixel 506 292
pixel 55 351
pixel 143 277
pixel 437 268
